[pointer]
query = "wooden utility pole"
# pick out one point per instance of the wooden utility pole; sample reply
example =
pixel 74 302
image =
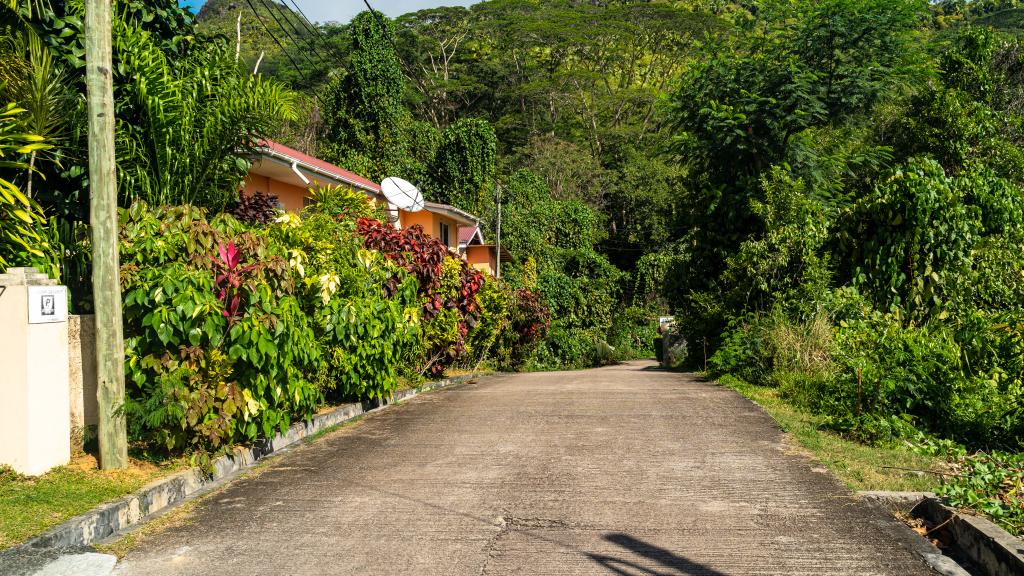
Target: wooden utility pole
pixel 106 285
pixel 497 270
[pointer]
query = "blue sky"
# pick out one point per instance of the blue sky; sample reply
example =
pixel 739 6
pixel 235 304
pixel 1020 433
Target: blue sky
pixel 344 10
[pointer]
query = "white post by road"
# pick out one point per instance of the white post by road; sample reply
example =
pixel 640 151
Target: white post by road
pixel 35 425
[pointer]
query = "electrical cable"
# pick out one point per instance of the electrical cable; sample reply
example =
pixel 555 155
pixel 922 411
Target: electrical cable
pixel 281 46
pixel 316 31
pixel 287 15
pixel 273 14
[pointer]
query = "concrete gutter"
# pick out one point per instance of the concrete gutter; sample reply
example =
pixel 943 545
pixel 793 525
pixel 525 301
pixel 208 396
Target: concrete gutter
pixel 990 550
pixel 160 495
pixel 993 550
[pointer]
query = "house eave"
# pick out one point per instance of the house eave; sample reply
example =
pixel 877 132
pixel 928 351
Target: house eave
pixel 330 177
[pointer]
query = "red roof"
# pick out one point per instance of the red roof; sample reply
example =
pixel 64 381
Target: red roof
pixel 466 234
pixel 327 168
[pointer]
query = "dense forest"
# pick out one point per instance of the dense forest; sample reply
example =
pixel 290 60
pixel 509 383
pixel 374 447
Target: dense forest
pixel 725 161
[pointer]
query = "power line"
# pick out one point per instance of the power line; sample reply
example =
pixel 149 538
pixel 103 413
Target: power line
pixel 279 45
pixel 288 15
pixel 273 14
pixel 317 32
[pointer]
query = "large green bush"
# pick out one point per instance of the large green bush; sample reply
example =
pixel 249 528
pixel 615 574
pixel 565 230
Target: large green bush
pixel 364 307
pixel 877 379
pixel 633 332
pixel 234 331
pixel 913 241
pixel 529 324
pixel 495 300
pixel 218 349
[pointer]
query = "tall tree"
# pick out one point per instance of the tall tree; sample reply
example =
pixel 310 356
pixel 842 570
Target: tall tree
pixel 363 108
pixel 464 165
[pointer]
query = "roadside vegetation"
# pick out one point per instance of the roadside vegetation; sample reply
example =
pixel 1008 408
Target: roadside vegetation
pixel 897 467
pixel 856 218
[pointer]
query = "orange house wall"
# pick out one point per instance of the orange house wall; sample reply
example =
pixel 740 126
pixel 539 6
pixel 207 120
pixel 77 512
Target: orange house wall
pixel 431 223
pixel 482 258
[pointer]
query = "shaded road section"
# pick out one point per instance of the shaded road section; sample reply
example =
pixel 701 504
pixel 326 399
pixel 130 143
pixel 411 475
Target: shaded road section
pixel 622 470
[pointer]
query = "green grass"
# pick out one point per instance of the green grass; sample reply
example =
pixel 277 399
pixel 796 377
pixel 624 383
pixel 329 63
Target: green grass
pixel 860 466
pixel 30 506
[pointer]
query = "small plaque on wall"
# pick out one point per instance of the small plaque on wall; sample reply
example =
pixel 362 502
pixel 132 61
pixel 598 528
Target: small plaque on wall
pixel 47 304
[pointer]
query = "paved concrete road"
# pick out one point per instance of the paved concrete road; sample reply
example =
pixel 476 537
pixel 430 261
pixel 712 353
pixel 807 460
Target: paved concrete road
pixel 623 470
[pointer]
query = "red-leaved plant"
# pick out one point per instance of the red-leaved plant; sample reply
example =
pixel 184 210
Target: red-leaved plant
pixel 422 256
pixel 231 276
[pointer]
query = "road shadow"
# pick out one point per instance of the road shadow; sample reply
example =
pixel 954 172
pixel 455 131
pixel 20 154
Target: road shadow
pixel 669 564
pixel 655 368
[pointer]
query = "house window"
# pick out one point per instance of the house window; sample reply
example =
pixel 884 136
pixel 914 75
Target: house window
pixel 444 234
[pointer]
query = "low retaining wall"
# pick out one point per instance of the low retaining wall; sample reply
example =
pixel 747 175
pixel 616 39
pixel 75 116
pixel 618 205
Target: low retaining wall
pixel 111 518
pixel 82 376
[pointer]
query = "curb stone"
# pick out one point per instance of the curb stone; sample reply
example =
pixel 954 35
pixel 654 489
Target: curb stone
pixel 111 518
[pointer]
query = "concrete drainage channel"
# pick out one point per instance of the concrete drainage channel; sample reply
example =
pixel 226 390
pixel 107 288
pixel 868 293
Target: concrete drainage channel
pixel 65 549
pixel 954 543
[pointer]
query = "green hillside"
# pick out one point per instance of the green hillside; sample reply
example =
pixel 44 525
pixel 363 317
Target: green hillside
pixel 1011 20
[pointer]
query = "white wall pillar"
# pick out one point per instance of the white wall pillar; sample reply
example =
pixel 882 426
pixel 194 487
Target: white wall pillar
pixel 35 427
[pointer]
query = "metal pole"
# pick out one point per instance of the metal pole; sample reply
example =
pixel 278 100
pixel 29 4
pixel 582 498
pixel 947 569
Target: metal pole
pixel 113 437
pixel 497 271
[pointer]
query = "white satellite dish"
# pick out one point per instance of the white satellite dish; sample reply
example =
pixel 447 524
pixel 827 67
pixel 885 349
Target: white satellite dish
pixel 402 194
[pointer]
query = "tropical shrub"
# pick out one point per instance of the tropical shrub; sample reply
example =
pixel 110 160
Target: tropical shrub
pixel 256 208
pixel 414 250
pixel 447 288
pixel 367 341
pixel 567 348
pixel 743 352
pixel 784 265
pixel 893 380
pixel 218 349
pixel 914 236
pixel 495 300
pixel 364 307
pixel 340 202
pixel 633 332
pixel 23 240
pixel 529 322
